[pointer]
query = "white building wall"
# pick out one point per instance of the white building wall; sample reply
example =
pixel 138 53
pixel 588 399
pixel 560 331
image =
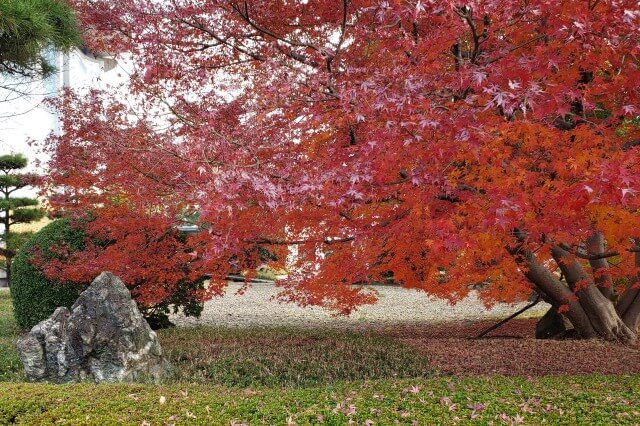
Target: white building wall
pixel 24 116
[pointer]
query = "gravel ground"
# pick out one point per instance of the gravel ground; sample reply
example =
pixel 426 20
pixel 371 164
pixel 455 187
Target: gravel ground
pixel 395 306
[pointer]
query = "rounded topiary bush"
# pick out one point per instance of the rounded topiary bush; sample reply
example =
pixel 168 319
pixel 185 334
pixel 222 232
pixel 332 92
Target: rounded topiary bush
pixel 35 296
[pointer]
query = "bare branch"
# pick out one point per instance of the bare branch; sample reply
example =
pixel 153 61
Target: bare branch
pixel 466 13
pixel 283 242
pixel 588 256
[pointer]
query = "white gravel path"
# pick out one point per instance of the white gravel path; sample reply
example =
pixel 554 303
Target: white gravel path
pixel 395 305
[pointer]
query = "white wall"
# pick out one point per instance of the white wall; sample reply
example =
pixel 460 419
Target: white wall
pixel 24 116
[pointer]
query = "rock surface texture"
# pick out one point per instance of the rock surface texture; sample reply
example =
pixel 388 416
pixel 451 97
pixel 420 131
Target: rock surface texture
pixel 104 338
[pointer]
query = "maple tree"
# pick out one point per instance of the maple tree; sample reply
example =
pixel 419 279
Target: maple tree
pixel 442 146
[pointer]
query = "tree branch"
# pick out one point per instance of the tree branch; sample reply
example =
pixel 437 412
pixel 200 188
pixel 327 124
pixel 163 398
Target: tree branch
pixel 628 145
pixel 283 242
pixel 219 39
pixel 588 256
pixel 466 13
pixel 595 256
pixel 245 15
pixel 526 43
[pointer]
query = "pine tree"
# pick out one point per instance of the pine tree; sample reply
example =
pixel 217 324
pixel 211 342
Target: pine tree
pixel 27 27
pixel 14 210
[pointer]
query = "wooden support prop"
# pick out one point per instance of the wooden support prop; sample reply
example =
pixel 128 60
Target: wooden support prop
pixel 512 316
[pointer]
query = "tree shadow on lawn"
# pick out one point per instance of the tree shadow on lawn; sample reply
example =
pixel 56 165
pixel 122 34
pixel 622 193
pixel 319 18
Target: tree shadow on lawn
pixel 287 357
pixel 302 357
pixel 513 350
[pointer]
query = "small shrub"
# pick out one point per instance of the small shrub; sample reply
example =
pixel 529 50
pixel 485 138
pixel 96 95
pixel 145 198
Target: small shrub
pixel 35 296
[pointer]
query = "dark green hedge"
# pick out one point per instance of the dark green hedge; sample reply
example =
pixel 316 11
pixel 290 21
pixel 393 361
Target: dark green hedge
pixel 34 296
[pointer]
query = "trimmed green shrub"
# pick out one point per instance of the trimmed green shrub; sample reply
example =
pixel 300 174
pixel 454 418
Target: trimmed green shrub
pixel 35 296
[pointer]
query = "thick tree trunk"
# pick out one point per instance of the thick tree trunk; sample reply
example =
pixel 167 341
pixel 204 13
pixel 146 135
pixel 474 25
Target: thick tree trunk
pixel 600 267
pixel 589 307
pixel 553 325
pixel 557 292
pixel 600 311
pixel 628 306
pixel 632 316
pixel 628 298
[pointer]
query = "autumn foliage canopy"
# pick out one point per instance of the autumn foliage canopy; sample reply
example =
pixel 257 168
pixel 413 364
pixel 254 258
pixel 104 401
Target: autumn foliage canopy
pixel 443 146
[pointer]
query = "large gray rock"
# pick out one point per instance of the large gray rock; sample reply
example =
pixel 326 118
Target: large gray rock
pixel 103 339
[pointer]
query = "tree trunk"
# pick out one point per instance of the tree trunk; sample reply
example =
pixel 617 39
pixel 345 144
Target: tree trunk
pixel 628 298
pixel 8 259
pixel 600 311
pixel 6 222
pixel 553 325
pixel 632 316
pixel 589 309
pixel 557 292
pixel 628 306
pixel 600 267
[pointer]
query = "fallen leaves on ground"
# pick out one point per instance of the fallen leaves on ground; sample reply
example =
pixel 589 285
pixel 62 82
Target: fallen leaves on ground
pixel 513 350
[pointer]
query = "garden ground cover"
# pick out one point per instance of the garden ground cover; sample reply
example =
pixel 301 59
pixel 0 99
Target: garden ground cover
pixel 588 400
pixel 329 376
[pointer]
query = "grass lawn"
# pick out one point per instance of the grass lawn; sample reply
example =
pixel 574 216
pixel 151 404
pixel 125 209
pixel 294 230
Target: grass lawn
pixel 588 400
pixel 294 376
pixel 10 365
